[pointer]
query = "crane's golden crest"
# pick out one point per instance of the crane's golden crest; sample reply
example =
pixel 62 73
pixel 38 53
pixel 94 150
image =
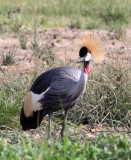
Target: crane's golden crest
pixel 93 44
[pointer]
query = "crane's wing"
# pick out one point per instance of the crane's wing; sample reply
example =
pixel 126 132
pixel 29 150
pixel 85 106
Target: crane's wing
pixel 48 93
pixel 59 95
pixel 44 81
pixel 58 87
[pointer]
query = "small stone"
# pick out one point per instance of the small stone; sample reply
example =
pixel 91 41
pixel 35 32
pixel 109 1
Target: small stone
pixel 54 36
pixel 113 43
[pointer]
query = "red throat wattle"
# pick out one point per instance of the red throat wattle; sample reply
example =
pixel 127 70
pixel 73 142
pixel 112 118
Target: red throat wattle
pixel 86 69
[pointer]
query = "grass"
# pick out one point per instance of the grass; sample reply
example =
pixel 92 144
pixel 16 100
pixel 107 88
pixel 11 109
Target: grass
pixel 9 58
pixel 107 98
pixel 43 52
pixel 35 46
pixel 81 14
pixel 105 147
pixel 23 40
pixel 108 95
pixel 106 101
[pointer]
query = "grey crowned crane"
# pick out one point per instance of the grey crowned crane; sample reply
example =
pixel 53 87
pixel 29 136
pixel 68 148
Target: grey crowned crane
pixel 59 88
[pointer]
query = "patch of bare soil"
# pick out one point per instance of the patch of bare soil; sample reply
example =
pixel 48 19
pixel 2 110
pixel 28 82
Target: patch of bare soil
pixel 62 43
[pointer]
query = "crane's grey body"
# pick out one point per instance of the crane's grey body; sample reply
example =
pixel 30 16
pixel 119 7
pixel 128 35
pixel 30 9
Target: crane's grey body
pixel 59 88
pixel 63 87
pixel 55 89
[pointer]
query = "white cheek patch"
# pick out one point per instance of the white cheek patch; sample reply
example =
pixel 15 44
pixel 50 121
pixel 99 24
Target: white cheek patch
pixel 88 57
pixel 32 103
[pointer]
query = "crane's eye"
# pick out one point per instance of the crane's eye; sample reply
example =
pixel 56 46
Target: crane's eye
pixel 83 51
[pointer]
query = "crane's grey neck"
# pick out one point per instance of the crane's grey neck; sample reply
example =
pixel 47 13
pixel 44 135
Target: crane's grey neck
pixel 81 84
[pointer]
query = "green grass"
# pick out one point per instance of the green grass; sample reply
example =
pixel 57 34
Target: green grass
pixel 12 94
pixel 89 14
pixel 105 147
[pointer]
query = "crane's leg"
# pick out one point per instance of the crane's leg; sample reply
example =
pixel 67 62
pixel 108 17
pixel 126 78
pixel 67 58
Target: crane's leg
pixel 64 123
pixel 49 126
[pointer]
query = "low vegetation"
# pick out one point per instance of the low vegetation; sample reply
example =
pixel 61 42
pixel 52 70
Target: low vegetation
pixel 107 98
pixel 105 147
pixel 87 14
pixel 106 102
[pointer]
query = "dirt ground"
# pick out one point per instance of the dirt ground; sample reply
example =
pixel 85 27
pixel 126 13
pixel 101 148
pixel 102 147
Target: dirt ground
pixel 62 43
pixel 83 133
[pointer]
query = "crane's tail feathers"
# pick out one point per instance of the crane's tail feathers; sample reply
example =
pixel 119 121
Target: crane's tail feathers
pixel 93 44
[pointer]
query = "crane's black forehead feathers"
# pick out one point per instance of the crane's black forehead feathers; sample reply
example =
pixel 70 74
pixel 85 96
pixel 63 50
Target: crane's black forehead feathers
pixel 83 51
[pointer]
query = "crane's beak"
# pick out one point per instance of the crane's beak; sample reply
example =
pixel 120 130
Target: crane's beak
pixel 82 59
pixel 85 58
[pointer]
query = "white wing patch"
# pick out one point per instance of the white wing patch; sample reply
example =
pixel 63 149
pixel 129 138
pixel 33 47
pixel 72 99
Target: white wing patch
pixel 35 104
pixel 28 105
pixel 32 103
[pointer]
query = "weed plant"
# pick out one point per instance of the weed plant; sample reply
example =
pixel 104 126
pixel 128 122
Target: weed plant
pixel 9 58
pixel 42 52
pixel 14 23
pixel 23 40
pixel 35 46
